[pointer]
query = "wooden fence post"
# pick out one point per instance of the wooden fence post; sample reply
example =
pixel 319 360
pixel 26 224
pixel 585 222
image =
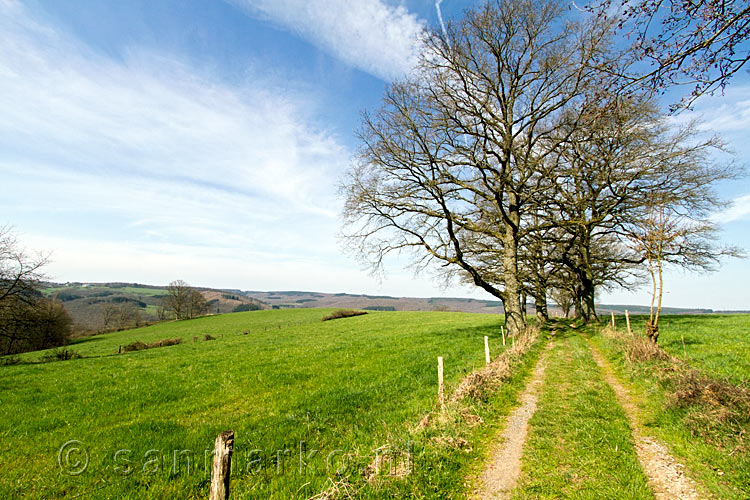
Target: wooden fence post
pixel 627 320
pixel 614 325
pixel 502 331
pixel 487 349
pixel 222 466
pixel 441 392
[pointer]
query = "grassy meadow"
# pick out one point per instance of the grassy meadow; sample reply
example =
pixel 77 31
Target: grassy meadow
pixel 308 401
pixel 311 402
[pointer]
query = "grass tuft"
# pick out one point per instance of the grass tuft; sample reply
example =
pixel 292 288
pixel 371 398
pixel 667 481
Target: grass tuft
pixel 640 349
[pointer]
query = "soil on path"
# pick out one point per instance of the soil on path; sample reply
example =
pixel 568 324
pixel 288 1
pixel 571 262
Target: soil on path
pixel 665 474
pixel 500 476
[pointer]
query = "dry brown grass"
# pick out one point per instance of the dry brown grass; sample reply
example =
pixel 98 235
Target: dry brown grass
pixel 715 409
pixel 338 490
pixel 343 313
pixel 485 380
pixel 640 349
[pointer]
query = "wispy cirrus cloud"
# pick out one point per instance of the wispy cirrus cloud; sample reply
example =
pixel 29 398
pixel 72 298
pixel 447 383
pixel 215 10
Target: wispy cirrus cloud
pixel 739 210
pixel 149 150
pixel 371 35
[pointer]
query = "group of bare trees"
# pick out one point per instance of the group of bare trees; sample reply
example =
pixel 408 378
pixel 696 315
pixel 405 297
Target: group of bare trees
pixel 182 302
pixel 515 159
pixel 28 320
pixel 123 315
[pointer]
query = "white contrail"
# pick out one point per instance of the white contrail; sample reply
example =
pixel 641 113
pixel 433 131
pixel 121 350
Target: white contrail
pixel 440 17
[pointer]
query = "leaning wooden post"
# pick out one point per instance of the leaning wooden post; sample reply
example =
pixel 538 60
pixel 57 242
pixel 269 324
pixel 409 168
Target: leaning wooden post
pixel 441 391
pixel 613 320
pixel 502 331
pixel 222 466
pixel 627 320
pixel 487 349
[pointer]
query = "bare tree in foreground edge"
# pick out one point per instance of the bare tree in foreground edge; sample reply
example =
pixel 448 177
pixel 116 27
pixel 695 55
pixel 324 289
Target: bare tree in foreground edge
pixel 701 44
pixel 457 154
pixel 28 321
pixel 20 272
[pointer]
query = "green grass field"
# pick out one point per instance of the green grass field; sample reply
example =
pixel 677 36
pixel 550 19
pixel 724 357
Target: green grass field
pixel 311 401
pixel 342 387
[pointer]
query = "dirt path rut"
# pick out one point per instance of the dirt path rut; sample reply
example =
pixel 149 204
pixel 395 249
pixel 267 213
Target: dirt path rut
pixel 500 476
pixel 665 474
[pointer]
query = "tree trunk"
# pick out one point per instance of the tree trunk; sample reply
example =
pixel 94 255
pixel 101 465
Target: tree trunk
pixel 515 322
pixel 578 303
pixel 589 300
pixel 540 298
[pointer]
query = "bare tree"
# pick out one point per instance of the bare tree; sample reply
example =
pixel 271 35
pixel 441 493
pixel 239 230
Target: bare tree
pixel 701 43
pixel 128 315
pixel 109 314
pixel 563 298
pixel 183 301
pixel 20 271
pixel 196 304
pixel 610 172
pixel 28 321
pixel 665 237
pixel 457 156
pixel 161 312
pixel 176 301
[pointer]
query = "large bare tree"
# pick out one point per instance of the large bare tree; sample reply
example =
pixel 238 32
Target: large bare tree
pixel 459 153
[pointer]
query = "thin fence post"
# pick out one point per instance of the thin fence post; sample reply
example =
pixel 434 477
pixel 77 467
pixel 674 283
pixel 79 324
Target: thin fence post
pixel 441 391
pixel 502 331
pixel 627 320
pixel 487 349
pixel 613 320
pixel 222 466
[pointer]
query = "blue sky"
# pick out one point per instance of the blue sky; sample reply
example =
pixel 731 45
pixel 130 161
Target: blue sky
pixel 151 140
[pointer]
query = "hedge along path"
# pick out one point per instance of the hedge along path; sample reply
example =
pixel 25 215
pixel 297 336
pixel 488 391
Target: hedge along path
pixel 665 475
pixel 500 476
